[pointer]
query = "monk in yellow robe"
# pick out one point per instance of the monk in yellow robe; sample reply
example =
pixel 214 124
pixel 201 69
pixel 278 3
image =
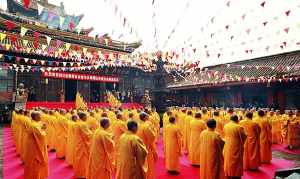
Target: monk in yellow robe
pixel 220 123
pixel 119 128
pixel 100 164
pixel 36 157
pixel 146 132
pixel 293 131
pixel 132 153
pixel 61 134
pixel 173 146
pixel 276 124
pixel 25 126
pixel 205 114
pixel 211 158
pixel 251 147
pixel 70 140
pixel 234 148
pixel 265 137
pixel 166 117
pixel 92 122
pixel 187 131
pixel 197 125
pixel 82 135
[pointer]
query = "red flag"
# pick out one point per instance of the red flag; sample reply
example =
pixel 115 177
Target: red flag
pixel 287 30
pixel 71 26
pixel 263 4
pixel 9 25
pixel 13 38
pixel 36 39
pixel 26 3
pixel 287 13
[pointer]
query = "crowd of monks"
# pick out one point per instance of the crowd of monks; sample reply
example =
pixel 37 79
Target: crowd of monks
pixel 102 143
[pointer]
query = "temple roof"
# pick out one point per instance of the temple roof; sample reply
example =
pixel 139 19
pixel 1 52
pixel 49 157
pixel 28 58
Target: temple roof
pixel 264 69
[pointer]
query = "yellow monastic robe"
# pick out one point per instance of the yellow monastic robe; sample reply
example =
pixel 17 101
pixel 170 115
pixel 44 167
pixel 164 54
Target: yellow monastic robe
pixel 276 130
pixel 100 164
pixel 51 134
pixel 265 139
pixel 26 127
pixel 147 134
pixel 293 134
pixel 251 147
pixel 173 147
pixel 82 136
pixel 70 143
pixel 187 132
pixel 132 155
pixel 62 135
pixel 211 158
pixel 197 126
pixel 220 125
pixel 92 123
pixel 118 130
pixel 165 124
pixel 233 149
pixel 36 158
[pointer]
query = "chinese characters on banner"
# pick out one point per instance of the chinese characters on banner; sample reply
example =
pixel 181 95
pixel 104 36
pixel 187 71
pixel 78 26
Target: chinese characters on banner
pixel 79 76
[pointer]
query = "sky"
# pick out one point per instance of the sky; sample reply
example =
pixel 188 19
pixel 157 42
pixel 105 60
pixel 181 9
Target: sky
pixel 212 32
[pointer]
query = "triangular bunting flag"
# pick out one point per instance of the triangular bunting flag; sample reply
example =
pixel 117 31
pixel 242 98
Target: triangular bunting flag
pixel 265 23
pixel 25 42
pixel 287 30
pixel 48 39
pixel 44 47
pixel 40 8
pixel 84 50
pixel 263 4
pixel 106 41
pixel 61 21
pixel 23 31
pixel 26 60
pixel 7 46
pixel 68 45
pixel 26 3
pixel 2 36
pixel 287 13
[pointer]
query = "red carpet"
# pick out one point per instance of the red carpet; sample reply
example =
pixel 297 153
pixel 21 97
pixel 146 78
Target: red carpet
pixel 282 148
pixel 13 169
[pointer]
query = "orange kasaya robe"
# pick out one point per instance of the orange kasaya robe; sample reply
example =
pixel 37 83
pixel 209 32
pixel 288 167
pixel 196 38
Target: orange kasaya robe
pixel 82 136
pixel 132 155
pixel 187 132
pixel 118 129
pixel 146 132
pixel 92 123
pixel 265 139
pixel 36 158
pixel 220 125
pixel 252 145
pixel 25 126
pixel 197 126
pixel 211 158
pixel 293 134
pixel 62 136
pixel 173 147
pixel 100 165
pixel 165 124
pixel 233 149
pixel 276 130
pixel 70 143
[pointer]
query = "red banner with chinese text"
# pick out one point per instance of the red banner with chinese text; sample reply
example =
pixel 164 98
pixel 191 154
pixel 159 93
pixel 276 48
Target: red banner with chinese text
pixel 80 76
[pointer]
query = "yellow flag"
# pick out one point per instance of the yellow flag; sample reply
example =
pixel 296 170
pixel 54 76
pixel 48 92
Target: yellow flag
pixel 79 103
pixel 113 101
pixel 2 36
